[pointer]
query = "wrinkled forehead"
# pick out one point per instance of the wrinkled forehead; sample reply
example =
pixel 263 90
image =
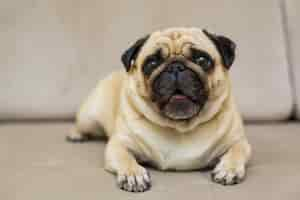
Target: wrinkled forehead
pixel 175 41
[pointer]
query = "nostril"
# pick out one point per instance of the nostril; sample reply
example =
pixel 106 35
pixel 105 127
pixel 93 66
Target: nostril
pixel 176 67
pixel 180 68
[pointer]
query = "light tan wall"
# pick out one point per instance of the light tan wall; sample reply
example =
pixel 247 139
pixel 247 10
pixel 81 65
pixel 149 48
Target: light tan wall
pixel 292 14
pixel 53 51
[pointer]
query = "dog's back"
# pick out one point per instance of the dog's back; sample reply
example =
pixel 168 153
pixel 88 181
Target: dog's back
pixel 99 110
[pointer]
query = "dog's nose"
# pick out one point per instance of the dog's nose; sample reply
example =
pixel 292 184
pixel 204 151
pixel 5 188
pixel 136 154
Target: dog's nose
pixel 176 67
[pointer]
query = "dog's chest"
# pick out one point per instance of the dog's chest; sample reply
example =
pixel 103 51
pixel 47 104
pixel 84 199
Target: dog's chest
pixel 180 155
pixel 179 151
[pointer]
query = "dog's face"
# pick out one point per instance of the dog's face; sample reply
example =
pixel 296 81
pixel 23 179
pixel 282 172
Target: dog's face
pixel 180 70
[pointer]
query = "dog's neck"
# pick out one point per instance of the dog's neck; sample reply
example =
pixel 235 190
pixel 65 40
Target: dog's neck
pixel 143 108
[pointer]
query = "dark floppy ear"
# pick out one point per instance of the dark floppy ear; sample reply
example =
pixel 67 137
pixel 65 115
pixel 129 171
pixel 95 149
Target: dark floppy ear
pixel 225 46
pixel 129 56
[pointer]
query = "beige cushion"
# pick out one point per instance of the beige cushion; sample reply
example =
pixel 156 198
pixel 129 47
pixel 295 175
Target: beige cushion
pixel 292 15
pixel 37 163
pixel 53 52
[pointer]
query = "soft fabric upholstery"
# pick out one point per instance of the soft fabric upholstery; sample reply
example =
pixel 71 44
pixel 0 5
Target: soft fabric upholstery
pixel 292 14
pixel 54 51
pixel 37 163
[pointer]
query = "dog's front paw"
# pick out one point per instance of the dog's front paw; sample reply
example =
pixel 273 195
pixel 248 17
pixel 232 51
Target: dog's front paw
pixel 228 173
pixel 137 181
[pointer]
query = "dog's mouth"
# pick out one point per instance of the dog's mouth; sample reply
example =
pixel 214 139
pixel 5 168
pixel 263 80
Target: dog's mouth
pixel 179 95
pixel 180 107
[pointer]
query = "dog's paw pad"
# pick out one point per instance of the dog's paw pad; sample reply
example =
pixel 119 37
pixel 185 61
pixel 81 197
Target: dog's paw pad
pixel 228 175
pixel 138 182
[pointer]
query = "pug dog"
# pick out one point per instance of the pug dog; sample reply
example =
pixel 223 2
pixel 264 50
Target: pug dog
pixel 173 109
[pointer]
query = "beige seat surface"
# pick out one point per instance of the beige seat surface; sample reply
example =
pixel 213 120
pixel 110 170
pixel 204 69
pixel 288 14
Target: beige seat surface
pixel 37 163
pixel 53 51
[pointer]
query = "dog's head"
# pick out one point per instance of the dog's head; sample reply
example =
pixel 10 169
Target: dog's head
pixel 179 70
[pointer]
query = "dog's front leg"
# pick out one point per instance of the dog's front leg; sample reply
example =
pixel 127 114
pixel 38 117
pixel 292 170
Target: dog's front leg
pixel 120 160
pixel 232 166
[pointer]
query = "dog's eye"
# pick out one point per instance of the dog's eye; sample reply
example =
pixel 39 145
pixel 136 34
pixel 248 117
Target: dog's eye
pixel 150 66
pixel 204 62
pixel 202 59
pixel 151 63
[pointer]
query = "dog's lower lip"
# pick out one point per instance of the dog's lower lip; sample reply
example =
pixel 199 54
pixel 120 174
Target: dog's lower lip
pixel 179 97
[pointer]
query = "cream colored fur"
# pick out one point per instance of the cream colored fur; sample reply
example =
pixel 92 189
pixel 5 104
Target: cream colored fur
pixel 138 133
